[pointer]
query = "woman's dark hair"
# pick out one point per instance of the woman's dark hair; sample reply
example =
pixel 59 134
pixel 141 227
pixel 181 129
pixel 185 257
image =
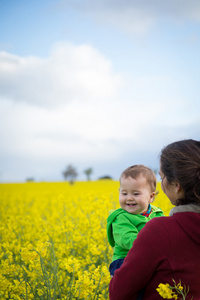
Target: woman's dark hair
pixel 180 161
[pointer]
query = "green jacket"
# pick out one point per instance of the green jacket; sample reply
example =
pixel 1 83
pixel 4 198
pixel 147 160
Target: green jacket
pixel 123 227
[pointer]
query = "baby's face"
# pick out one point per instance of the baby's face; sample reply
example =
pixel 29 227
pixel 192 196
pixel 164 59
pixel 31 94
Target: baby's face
pixel 135 194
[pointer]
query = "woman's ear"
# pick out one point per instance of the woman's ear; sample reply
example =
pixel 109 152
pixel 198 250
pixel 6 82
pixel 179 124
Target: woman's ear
pixel 179 191
pixel 178 187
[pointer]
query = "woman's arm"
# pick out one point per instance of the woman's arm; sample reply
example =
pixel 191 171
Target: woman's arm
pixel 141 262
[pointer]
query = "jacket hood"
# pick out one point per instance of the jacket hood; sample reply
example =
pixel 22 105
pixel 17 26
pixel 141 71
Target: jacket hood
pixel 188 218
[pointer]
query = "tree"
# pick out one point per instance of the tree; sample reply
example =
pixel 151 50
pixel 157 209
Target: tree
pixel 105 177
pixel 155 171
pixel 70 173
pixel 30 179
pixel 88 172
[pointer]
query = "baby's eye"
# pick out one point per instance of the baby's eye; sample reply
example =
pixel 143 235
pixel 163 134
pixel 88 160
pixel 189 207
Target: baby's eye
pixel 124 193
pixel 136 194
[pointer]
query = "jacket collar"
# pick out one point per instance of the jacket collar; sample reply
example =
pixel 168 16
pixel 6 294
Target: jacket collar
pixel 185 208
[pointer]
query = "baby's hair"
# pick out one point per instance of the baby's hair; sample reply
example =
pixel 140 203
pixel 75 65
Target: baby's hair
pixel 136 171
pixel 180 161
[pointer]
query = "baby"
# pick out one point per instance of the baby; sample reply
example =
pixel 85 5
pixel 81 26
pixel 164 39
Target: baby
pixel 137 192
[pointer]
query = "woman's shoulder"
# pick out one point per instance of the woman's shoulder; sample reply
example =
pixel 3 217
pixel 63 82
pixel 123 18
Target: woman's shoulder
pixel 156 232
pixel 160 224
pixel 160 220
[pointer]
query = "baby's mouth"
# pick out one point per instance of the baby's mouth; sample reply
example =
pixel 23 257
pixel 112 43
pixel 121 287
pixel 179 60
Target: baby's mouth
pixel 129 204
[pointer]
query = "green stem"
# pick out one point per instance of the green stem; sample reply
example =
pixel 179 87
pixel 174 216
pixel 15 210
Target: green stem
pixel 98 286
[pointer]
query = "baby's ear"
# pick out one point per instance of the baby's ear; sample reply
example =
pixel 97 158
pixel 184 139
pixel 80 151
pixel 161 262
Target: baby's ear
pixel 152 196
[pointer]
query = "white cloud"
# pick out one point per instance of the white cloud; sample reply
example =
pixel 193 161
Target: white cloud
pixel 73 108
pixel 134 16
pixel 84 131
pixel 69 73
pixel 90 109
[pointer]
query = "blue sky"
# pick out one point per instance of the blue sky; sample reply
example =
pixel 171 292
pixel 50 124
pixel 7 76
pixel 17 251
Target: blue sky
pixel 102 84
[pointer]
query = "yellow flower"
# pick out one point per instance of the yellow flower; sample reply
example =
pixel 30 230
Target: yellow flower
pixel 165 291
pixel 40 292
pixel 168 292
pixel 179 286
pixel 53 239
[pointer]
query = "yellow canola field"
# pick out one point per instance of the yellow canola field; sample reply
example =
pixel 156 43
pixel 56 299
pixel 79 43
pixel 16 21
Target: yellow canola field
pixel 53 239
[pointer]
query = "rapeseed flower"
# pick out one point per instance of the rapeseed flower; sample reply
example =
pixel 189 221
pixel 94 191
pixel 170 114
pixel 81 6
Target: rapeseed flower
pixel 176 291
pixel 53 242
pixel 165 291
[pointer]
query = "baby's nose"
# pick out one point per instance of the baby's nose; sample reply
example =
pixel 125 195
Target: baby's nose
pixel 130 197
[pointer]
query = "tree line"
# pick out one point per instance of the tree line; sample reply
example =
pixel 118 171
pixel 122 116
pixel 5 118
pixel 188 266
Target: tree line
pixel 70 173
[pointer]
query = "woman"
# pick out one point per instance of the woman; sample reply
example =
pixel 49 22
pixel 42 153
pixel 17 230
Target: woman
pixel 167 249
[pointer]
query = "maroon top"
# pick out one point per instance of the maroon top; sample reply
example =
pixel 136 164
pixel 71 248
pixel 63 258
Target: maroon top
pixel 166 248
